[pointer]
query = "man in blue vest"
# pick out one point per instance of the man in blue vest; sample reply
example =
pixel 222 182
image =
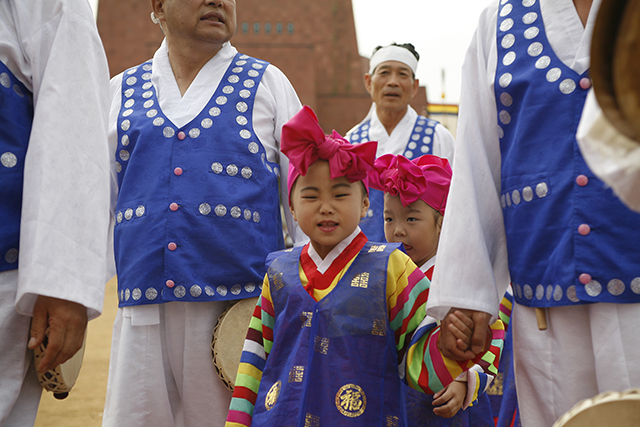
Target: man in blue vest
pixel 54 190
pixel 524 207
pixel 195 135
pixel 392 84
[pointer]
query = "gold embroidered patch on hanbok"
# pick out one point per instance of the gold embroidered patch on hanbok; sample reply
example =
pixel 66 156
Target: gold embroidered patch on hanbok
pixel 321 345
pixel 277 281
pixel 361 280
pixel 497 386
pixel 392 421
pixel 379 327
pixel 377 248
pixel 351 400
pixel 296 374
pixel 272 397
pixel 311 421
pixel 305 318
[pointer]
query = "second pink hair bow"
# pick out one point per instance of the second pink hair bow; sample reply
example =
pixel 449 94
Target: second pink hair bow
pixel 426 178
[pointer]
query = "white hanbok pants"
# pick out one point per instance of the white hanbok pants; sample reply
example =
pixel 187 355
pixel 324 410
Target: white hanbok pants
pixel 19 388
pixel 160 372
pixel 586 350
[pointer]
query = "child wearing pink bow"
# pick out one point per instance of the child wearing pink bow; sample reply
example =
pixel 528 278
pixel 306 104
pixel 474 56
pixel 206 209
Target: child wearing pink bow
pixel 415 199
pixel 341 320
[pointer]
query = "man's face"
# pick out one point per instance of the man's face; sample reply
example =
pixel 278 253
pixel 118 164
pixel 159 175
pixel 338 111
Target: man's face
pixel 197 21
pixel 391 86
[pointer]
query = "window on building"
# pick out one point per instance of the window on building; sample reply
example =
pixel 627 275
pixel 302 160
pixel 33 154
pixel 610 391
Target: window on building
pixel 256 27
pixel 279 28
pixel 290 27
pixel 267 28
pixel 245 28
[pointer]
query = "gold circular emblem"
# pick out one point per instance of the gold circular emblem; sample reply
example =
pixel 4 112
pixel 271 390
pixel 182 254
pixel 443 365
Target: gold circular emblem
pixel 351 400
pixel 272 396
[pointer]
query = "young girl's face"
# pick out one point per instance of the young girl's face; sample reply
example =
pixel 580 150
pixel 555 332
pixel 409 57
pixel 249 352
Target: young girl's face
pixel 417 226
pixel 327 210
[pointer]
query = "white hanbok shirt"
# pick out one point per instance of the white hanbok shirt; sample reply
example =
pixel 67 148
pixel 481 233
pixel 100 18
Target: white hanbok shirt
pixel 55 51
pixel 396 143
pixel 472 270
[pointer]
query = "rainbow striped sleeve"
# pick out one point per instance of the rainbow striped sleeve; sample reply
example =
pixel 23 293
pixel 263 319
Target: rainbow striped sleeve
pixel 426 369
pixel 506 305
pixel 257 346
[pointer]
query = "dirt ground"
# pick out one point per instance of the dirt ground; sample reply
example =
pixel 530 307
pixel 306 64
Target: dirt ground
pixel 83 407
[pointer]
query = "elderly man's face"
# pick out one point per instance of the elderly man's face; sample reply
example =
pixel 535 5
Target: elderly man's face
pixel 197 21
pixel 391 86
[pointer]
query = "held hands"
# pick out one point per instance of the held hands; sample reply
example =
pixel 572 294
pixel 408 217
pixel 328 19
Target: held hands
pixel 450 399
pixel 464 334
pixel 65 322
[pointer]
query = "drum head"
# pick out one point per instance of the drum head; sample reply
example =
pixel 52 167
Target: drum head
pixel 228 339
pixel 606 409
pixel 615 64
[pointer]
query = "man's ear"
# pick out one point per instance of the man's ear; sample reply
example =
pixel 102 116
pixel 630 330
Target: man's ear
pixel 416 85
pixel 158 9
pixel 367 82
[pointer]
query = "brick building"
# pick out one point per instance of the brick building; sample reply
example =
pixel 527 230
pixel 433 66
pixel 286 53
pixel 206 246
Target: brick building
pixel 313 43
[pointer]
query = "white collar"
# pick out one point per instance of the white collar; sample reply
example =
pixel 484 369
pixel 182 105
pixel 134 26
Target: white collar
pixel 323 265
pixel 427 265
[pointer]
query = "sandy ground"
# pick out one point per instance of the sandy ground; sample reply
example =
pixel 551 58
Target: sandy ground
pixel 83 407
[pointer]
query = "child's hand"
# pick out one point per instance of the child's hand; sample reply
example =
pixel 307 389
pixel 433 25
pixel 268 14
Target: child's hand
pixel 461 326
pixel 450 399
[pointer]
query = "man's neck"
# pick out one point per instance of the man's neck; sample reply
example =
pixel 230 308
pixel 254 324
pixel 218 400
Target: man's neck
pixel 390 119
pixel 187 61
pixel 583 7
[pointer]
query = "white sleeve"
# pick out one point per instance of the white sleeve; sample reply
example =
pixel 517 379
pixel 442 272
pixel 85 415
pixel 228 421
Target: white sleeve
pixel 612 156
pixel 276 102
pixel 115 88
pixel 65 211
pixel 444 143
pixel 471 271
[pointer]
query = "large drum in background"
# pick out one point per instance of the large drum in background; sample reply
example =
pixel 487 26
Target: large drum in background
pixel 228 339
pixel 615 64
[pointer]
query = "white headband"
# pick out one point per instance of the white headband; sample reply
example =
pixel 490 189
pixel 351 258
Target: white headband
pixel 393 53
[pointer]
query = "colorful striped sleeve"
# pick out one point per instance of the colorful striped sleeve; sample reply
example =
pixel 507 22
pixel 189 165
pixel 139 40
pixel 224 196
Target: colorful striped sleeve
pixel 257 346
pixel 417 335
pixel 506 305
pixel 478 382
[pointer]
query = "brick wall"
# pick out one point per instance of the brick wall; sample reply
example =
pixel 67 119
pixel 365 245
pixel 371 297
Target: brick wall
pixel 314 43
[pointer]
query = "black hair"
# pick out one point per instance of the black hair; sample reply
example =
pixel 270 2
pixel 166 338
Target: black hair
pixel 407 46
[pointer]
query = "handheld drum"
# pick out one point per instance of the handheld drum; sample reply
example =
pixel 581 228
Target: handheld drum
pixel 62 378
pixel 611 408
pixel 228 339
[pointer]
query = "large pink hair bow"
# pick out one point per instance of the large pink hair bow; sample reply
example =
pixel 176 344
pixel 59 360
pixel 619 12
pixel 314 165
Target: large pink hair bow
pixel 426 178
pixel 304 142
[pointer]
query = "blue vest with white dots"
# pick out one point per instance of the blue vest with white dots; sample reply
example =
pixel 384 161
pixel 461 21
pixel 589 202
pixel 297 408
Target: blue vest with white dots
pixel 198 208
pixel 333 362
pixel 421 142
pixel 570 240
pixel 16 117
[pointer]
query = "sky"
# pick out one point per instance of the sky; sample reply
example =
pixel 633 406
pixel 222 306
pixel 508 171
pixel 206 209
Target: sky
pixel 439 29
